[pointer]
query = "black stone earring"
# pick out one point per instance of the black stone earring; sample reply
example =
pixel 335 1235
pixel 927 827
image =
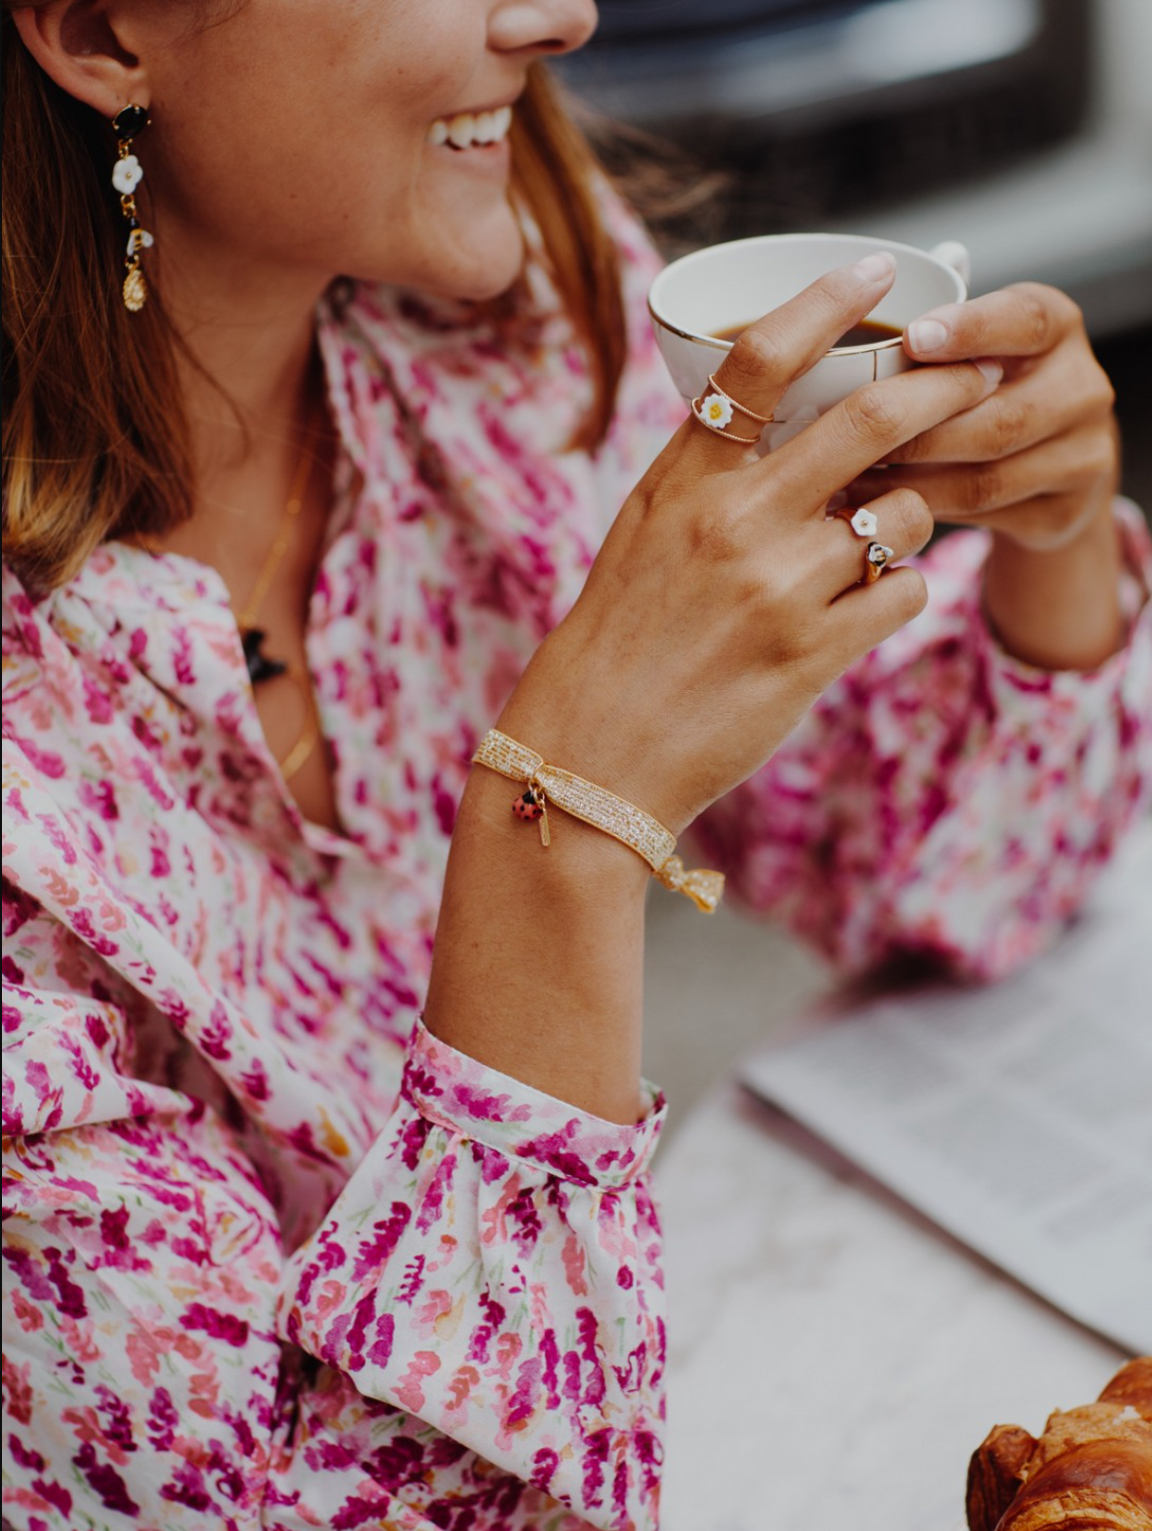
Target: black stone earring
pixel 127 173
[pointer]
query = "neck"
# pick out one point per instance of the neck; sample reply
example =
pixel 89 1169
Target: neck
pixel 249 381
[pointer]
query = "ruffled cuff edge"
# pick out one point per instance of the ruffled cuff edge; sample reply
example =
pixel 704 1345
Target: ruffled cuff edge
pixel 1015 683
pixel 468 1098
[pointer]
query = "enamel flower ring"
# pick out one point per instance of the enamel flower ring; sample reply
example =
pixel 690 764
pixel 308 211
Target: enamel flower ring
pixel 716 411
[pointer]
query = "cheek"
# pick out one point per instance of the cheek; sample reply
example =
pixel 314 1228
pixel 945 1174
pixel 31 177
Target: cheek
pixel 299 134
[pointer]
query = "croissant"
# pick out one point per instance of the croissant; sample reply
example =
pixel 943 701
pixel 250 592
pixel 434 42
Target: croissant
pixel 1091 1470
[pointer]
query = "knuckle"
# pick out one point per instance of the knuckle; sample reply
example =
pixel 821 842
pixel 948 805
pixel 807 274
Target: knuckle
pixel 907 593
pixel 1035 309
pixel 983 485
pixel 872 416
pixel 759 353
pixel 1098 462
pixel 1008 424
pixel 1103 394
pixel 916 519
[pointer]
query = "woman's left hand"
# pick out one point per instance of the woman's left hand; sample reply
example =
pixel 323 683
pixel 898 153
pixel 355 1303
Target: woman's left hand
pixel 1037 460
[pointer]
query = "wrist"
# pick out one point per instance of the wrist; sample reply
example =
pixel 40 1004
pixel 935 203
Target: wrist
pixel 1058 608
pixel 579 862
pixel 577 721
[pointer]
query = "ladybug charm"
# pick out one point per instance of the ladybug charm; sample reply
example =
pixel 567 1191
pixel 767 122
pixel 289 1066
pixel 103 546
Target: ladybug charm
pixel 532 808
pixel 528 806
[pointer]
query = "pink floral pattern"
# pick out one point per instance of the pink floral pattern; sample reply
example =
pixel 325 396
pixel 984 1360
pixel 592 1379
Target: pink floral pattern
pixel 275 1257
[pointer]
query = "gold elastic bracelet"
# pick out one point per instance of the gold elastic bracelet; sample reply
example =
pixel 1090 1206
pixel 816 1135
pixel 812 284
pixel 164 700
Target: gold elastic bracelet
pixel 544 784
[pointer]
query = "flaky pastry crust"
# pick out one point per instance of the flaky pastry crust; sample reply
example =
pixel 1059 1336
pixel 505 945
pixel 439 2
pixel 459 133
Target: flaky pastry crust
pixel 1091 1470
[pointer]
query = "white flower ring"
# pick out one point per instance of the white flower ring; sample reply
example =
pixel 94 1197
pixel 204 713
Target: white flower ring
pixel 127 173
pixel 715 411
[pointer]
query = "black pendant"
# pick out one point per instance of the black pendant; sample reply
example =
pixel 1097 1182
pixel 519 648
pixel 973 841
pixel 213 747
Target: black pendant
pixel 130 121
pixel 260 666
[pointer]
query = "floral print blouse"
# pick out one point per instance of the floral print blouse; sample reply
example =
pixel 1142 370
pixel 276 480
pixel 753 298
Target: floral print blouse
pixel 276 1257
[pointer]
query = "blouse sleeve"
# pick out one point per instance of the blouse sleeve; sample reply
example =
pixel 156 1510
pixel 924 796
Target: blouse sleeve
pixel 944 799
pixel 476 1324
pixel 493 1267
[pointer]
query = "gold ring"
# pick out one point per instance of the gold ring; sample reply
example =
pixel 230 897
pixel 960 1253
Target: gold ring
pixel 716 409
pixel 876 560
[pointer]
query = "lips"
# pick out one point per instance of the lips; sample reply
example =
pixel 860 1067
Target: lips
pixel 471 130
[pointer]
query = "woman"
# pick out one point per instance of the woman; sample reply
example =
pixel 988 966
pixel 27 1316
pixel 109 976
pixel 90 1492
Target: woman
pixel 281 1254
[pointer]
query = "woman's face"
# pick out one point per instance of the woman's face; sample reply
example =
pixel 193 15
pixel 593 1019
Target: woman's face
pixel 362 137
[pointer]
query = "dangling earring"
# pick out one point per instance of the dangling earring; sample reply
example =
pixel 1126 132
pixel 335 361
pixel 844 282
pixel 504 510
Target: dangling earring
pixel 126 176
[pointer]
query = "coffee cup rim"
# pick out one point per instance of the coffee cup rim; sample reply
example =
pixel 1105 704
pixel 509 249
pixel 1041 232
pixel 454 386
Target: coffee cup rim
pixel 895 245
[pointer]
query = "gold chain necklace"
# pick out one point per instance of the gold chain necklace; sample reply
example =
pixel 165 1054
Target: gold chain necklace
pixel 262 666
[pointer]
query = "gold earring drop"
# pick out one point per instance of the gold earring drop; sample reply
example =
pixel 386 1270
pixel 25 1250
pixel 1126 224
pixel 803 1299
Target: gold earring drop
pixel 127 173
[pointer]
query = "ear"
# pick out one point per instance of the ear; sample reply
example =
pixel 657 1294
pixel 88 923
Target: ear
pixel 83 46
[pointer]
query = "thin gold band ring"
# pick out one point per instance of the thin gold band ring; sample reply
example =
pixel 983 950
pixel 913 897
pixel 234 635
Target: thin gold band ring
pixel 716 409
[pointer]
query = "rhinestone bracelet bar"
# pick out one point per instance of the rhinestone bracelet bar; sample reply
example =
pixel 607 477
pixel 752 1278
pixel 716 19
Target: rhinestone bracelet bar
pixel 604 811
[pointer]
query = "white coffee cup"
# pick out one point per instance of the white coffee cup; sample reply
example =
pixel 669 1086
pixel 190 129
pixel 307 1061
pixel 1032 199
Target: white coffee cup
pixel 724 286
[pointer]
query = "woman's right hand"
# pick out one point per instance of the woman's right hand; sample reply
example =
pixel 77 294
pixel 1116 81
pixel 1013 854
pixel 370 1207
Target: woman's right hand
pixel 723 601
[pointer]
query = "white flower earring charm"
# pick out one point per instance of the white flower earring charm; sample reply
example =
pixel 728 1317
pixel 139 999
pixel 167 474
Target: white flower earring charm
pixel 127 173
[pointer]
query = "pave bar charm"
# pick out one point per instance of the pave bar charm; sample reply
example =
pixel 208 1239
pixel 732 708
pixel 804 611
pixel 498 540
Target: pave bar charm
pixel 598 807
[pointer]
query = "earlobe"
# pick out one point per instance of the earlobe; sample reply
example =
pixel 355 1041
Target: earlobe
pixel 78 45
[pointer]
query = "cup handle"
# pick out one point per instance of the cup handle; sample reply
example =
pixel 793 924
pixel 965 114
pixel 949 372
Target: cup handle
pixel 954 254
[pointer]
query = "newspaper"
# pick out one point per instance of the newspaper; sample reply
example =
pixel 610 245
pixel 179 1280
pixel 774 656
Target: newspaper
pixel 1017 1116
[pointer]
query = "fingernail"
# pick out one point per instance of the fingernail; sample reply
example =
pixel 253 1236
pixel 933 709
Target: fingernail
pixel 874 268
pixel 928 334
pixel 991 371
pixel 837 502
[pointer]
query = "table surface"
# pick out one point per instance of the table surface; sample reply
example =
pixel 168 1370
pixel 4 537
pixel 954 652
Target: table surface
pixel 834 1359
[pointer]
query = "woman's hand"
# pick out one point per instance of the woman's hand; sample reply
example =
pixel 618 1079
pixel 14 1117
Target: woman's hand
pixel 1038 460
pixel 723 601
pixel 719 607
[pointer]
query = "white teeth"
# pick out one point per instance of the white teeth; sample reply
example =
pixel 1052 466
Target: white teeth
pixel 460 130
pixel 468 128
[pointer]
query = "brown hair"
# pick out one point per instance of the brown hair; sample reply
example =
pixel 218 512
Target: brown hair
pixel 95 440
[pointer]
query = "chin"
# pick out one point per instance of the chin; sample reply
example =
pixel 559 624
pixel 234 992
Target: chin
pixel 478 260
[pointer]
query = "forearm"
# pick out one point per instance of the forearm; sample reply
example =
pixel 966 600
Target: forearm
pixel 1058 609
pixel 538 964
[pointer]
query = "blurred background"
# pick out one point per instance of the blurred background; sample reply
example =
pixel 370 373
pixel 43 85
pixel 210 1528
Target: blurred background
pixel 1021 127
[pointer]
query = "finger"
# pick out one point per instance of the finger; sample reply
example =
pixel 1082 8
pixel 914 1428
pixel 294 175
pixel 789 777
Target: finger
pixel 1068 464
pixel 865 615
pixel 1021 414
pixel 1024 320
pixel 1049 521
pixel 867 426
pixel 772 353
pixel 902 522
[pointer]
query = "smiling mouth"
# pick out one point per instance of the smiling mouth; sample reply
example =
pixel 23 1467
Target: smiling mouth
pixel 471 130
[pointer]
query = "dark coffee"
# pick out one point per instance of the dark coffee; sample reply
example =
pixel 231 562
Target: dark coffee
pixel 868 332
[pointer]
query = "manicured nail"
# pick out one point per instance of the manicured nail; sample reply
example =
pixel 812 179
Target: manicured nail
pixel 928 335
pixel 991 370
pixel 837 502
pixel 874 268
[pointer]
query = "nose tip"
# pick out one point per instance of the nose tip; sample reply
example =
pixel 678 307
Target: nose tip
pixel 543 26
